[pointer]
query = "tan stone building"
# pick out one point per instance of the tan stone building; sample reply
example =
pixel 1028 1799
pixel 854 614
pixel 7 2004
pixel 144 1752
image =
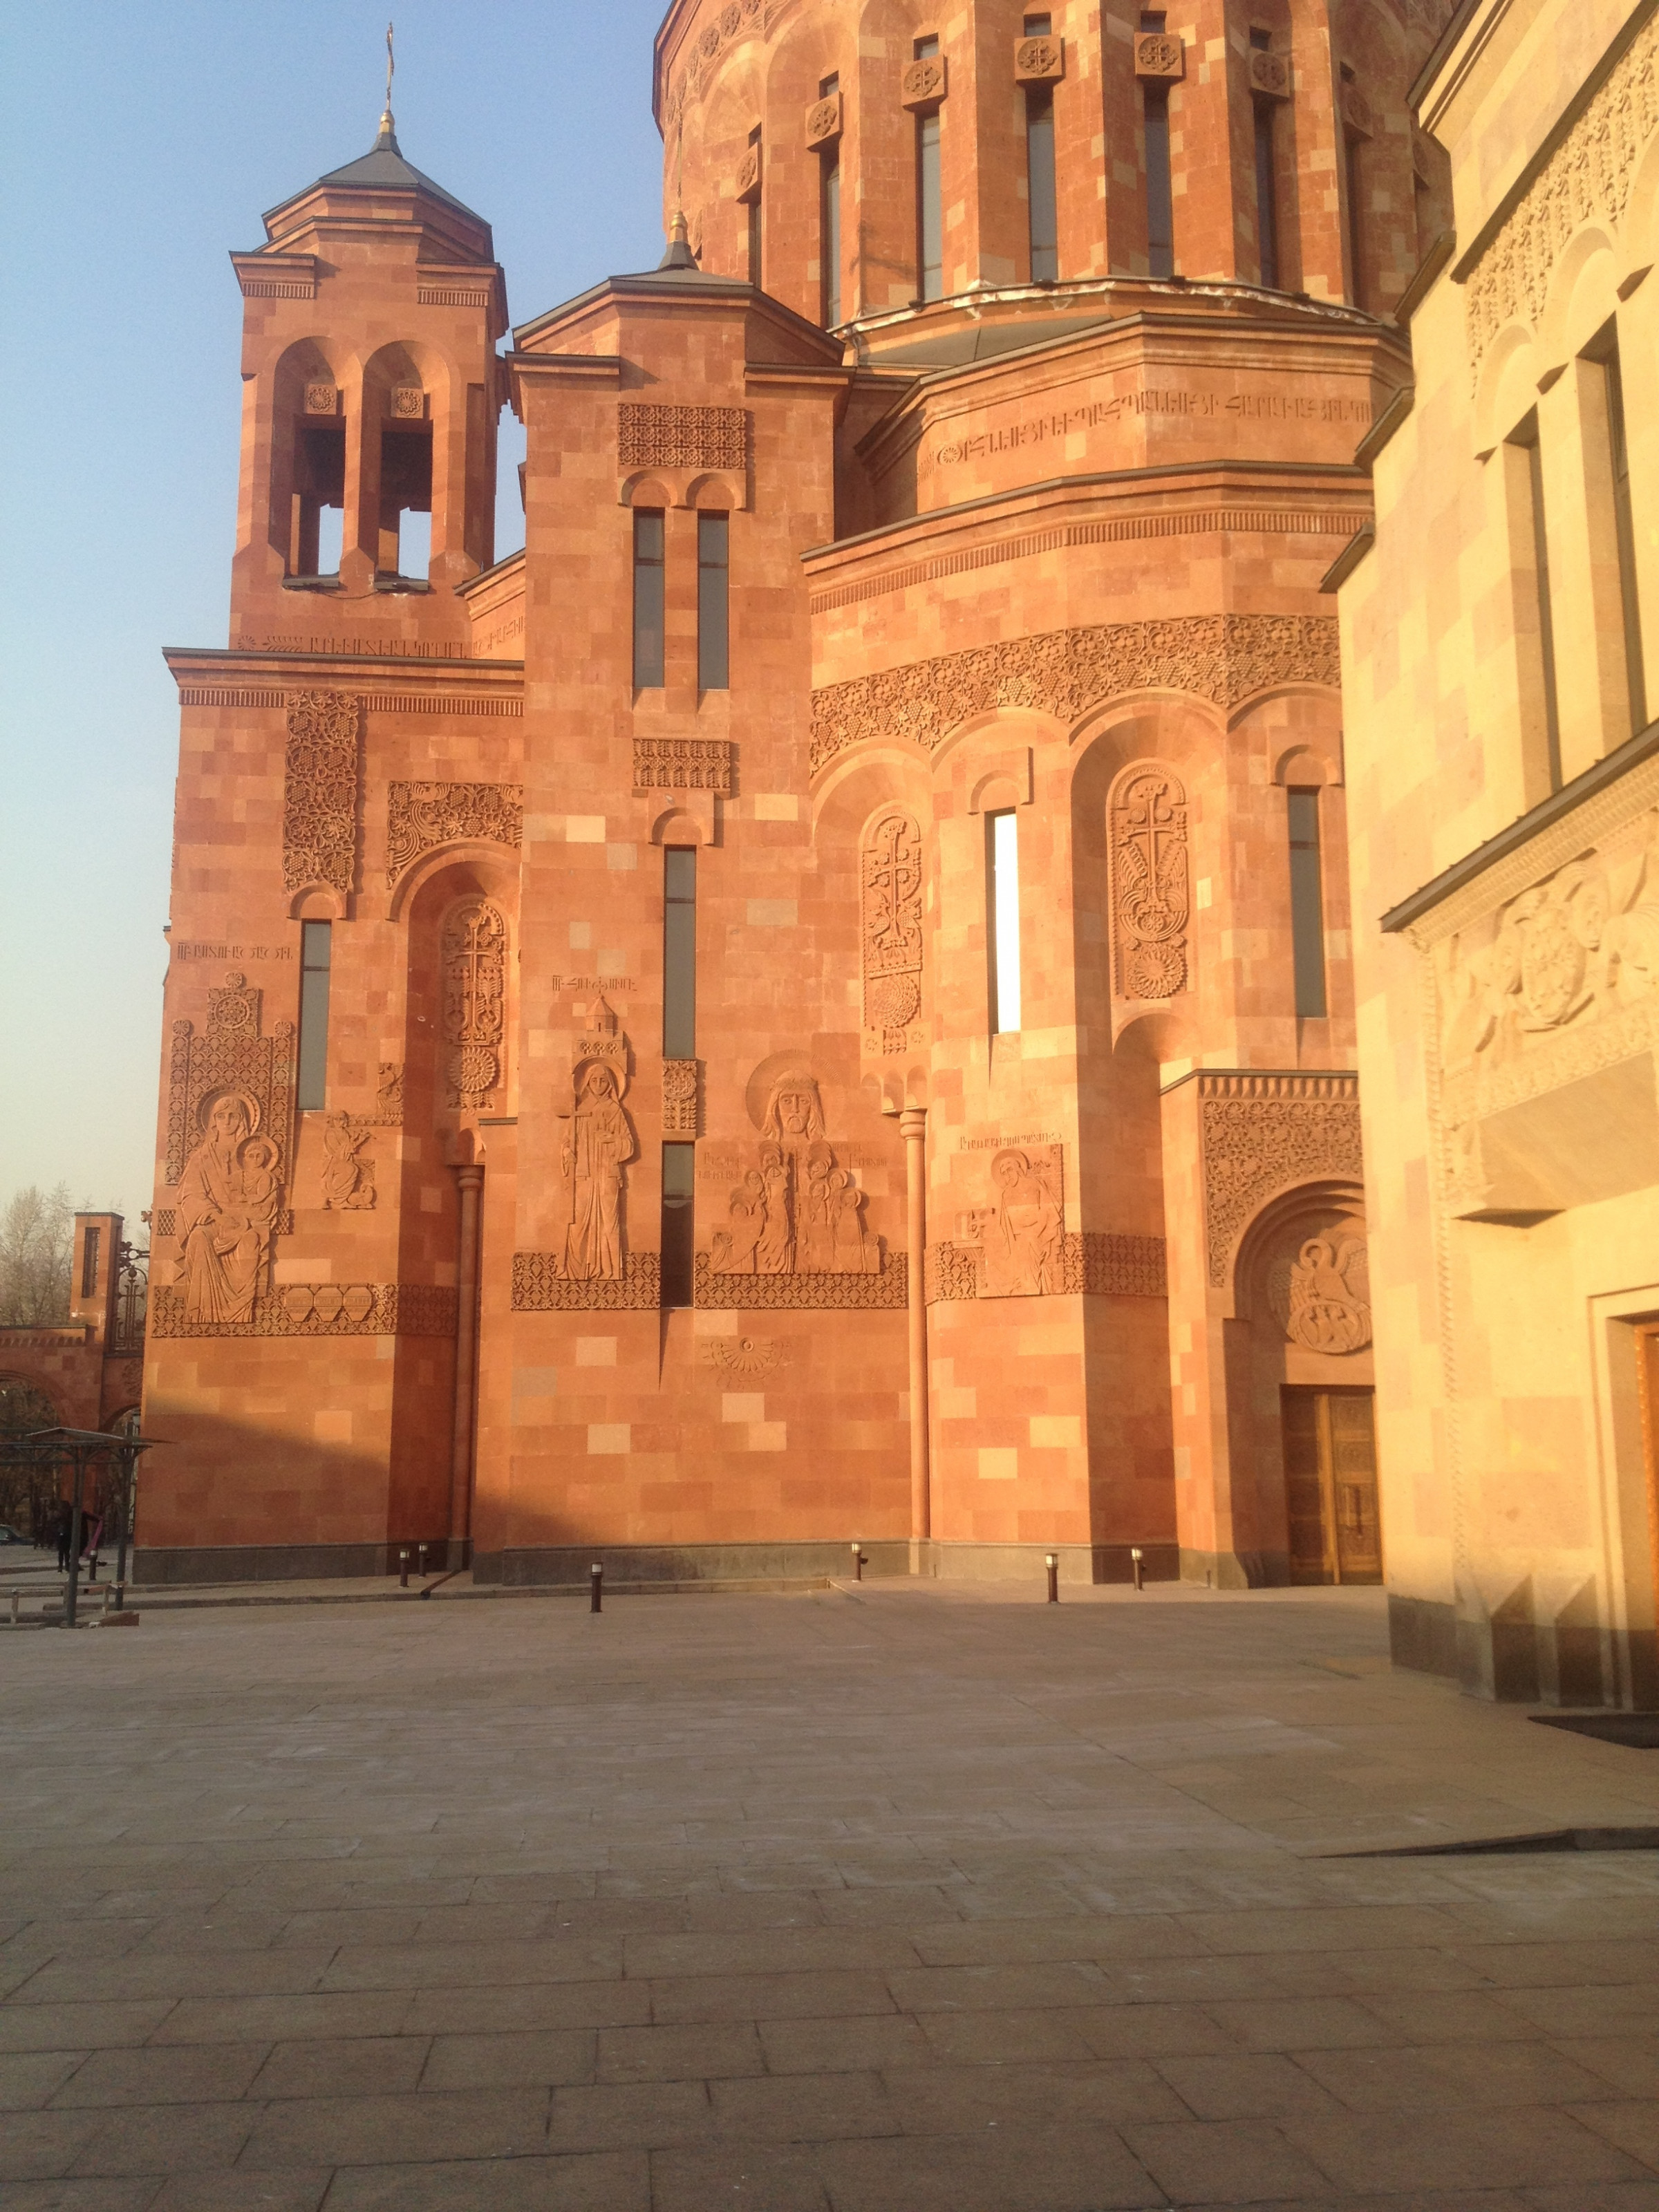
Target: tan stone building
pixel 1504 797
pixel 814 1004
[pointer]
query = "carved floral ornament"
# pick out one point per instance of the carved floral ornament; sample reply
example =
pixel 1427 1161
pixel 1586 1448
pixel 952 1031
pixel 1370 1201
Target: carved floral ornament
pixel 1587 178
pixel 1223 659
pixel 421 817
pixel 1261 1134
pixel 319 796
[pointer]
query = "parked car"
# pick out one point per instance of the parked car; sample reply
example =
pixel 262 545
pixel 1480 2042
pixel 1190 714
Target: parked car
pixel 11 1535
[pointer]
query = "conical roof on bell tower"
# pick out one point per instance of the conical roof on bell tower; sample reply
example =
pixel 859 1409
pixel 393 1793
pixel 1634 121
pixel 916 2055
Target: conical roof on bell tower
pixel 382 187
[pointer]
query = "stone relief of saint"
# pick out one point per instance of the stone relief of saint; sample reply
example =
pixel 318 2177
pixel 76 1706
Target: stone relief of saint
pixel 229 1197
pixel 1022 1231
pixel 598 1138
pixel 796 1212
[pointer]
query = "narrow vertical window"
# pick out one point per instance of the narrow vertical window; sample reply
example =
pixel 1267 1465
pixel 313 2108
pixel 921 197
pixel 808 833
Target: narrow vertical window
pixel 1353 203
pixel 679 1223
pixel 90 1264
pixel 1160 188
pixel 1307 906
pixel 679 952
pixel 830 219
pixel 930 206
pixel 1619 465
pixel 1266 182
pixel 1525 436
pixel 315 940
pixel 1002 857
pixel 647 599
pixel 1041 196
pixel 755 266
pixel 713 602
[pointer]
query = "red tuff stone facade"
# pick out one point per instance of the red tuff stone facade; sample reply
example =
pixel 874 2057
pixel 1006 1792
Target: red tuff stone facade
pixel 812 1004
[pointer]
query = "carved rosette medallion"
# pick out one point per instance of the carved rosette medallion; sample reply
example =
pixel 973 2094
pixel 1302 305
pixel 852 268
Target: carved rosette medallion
pixel 892 936
pixel 420 817
pixel 1149 894
pixel 475 1001
pixel 319 800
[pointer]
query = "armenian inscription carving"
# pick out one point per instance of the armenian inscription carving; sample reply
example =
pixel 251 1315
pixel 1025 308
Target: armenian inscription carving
pixel 1149 882
pixel 890 871
pixel 320 802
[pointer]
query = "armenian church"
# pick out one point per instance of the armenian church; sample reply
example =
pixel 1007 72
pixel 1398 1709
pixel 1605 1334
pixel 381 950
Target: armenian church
pixel 810 1009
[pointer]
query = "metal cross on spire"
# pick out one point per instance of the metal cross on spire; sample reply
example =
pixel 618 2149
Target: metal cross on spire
pixel 386 125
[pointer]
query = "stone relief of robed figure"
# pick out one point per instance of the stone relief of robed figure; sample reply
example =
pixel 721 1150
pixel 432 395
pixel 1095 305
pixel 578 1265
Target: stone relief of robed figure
pixel 1022 1232
pixel 230 1195
pixel 796 1212
pixel 596 1140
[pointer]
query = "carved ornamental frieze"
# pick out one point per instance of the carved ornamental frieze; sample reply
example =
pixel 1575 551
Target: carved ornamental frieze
pixel 1264 1134
pixel 318 1310
pixel 1093 1263
pixel 683 764
pixel 1150 873
pixel 319 795
pixel 890 869
pixel 420 817
pixel 737 19
pixel 654 437
pixel 1587 178
pixel 475 1001
pixel 1553 986
pixel 1225 658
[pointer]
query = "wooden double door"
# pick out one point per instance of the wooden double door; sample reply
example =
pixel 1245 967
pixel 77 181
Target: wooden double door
pixel 1330 1485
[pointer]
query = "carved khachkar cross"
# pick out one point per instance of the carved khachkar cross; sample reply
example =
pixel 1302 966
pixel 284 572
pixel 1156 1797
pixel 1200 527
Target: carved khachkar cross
pixel 475 1001
pixel 891 869
pixel 1149 881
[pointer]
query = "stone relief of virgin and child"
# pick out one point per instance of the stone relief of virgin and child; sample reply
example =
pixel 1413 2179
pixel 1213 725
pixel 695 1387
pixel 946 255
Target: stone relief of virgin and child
pixel 229 1197
pixel 597 1140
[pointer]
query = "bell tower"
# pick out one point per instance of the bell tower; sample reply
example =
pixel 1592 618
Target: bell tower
pixel 371 392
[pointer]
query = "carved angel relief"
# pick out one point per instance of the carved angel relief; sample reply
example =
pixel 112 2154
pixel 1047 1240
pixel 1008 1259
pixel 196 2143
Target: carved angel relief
pixel 1330 1296
pixel 1021 1233
pixel 475 1000
pixel 1150 897
pixel 890 873
pixel 595 1143
pixel 796 1212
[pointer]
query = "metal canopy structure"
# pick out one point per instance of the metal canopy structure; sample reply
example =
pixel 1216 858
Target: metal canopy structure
pixel 77 1448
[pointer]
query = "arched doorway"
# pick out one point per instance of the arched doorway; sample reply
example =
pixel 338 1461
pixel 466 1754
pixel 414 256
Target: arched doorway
pixel 1300 1387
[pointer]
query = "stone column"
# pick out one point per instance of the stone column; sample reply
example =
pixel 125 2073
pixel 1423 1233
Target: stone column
pixel 913 1128
pixel 470 1179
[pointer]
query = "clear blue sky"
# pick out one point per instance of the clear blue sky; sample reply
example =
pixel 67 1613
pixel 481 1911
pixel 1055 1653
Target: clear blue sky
pixel 138 145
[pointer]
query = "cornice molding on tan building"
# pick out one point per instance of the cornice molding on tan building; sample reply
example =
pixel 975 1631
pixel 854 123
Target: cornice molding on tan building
pixel 385 683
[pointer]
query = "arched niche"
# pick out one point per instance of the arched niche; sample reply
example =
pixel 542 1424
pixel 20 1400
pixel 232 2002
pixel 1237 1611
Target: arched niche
pixel 461 1004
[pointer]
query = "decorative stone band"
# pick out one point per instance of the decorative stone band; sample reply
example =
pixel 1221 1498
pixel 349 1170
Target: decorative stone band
pixel 319 797
pixel 681 437
pixel 737 19
pixel 1585 179
pixel 1094 1263
pixel 886 1292
pixel 683 764
pixel 319 1309
pixel 1264 1134
pixel 419 817
pixel 539 1286
pixel 1225 658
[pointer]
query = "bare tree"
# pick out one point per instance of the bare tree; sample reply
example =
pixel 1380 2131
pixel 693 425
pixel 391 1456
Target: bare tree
pixel 37 1238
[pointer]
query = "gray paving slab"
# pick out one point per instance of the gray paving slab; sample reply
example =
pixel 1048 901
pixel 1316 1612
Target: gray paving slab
pixel 881 1900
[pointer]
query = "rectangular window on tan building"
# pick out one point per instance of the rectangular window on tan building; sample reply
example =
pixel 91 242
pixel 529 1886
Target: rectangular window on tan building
pixel 1307 905
pixel 754 210
pixel 1613 456
pixel 1529 554
pixel 315 954
pixel 679 952
pixel 1266 177
pixel 1160 187
pixel 1002 918
pixel 830 219
pixel 647 599
pixel 1042 208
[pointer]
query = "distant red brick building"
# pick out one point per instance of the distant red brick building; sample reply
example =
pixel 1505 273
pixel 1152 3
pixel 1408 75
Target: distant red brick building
pixel 813 1003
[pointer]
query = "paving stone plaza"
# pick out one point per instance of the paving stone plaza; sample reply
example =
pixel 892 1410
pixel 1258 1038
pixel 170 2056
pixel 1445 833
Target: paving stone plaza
pixel 893 1898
